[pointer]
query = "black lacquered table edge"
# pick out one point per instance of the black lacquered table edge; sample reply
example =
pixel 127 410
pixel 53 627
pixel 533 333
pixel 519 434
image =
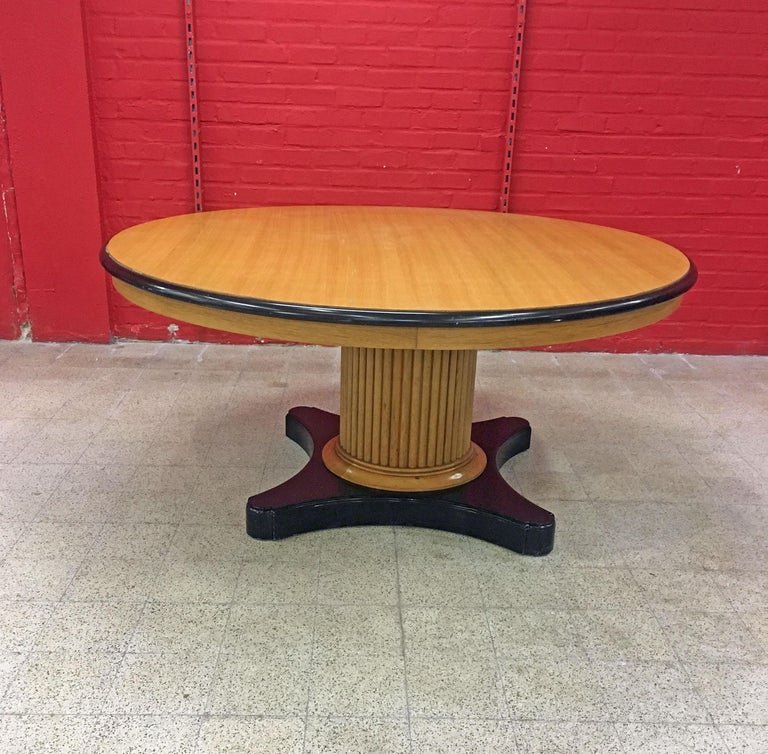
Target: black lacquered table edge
pixel 396 317
pixel 486 508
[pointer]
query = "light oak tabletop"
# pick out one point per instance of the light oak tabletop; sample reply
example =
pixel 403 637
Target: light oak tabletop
pixel 397 266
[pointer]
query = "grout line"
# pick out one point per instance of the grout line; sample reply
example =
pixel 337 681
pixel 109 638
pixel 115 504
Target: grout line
pixel 315 602
pixel 497 664
pixel 56 604
pixel 206 714
pixel 402 640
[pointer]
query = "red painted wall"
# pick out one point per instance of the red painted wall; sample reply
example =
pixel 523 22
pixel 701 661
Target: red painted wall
pixel 642 114
pixel 650 115
pixel 50 136
pixel 11 282
pixel 141 127
pixel 300 102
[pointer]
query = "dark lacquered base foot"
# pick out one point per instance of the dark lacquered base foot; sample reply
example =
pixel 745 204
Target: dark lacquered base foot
pixel 486 508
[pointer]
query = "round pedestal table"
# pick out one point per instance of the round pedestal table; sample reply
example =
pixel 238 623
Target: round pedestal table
pixel 410 295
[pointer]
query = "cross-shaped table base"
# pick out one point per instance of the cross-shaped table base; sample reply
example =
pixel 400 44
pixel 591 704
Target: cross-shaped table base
pixel 486 508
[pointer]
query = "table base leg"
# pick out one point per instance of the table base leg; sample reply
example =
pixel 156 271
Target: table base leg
pixel 486 508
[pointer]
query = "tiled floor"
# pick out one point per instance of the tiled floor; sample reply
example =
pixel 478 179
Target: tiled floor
pixel 137 616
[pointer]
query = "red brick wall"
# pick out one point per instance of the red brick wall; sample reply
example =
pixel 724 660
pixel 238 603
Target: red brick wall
pixel 650 115
pixel 300 102
pixel 642 114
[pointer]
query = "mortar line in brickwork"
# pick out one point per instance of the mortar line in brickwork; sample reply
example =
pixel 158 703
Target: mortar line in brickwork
pixel 194 119
pixel 509 140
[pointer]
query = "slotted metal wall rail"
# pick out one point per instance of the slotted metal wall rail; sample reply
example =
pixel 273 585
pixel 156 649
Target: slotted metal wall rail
pixel 194 120
pixel 509 143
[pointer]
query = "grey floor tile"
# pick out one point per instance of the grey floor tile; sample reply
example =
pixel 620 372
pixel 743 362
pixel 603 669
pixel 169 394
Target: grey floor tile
pixel 52 450
pixel 148 734
pixel 247 735
pixel 457 632
pixel 18 430
pixel 134 541
pixel 355 582
pixel 148 507
pixel 555 685
pixel 213 477
pixel 621 636
pixel 671 739
pixel 450 686
pixel 432 546
pixel 353 629
pixel 42 541
pixel 42 477
pixel 210 542
pixel 346 684
pixel 551 486
pixel 450 664
pixel 543 458
pixel 36 580
pixel 599 588
pixel 61 683
pixel 181 459
pixel 47 734
pixel 590 460
pixel 196 581
pixel 270 684
pixel 733 694
pixel 515 632
pixel 126 452
pixel 567 738
pixel 89 627
pixel 520 585
pixel 746 592
pixel 462 736
pixel 277 583
pixel 167 478
pixel 180 628
pixel 10 662
pixel 438 583
pixel 266 629
pixel 649 693
pixel 613 486
pixel 372 544
pixel 81 505
pixel 682 488
pixel 218 505
pixel 757 623
pixel 22 505
pixel 116 579
pixel 167 684
pixel 711 637
pixel 10 534
pixel 682 590
pixel 586 537
pixel 353 735
pixel 745 739
pixel 21 622
pixel 245 455
pixel 732 491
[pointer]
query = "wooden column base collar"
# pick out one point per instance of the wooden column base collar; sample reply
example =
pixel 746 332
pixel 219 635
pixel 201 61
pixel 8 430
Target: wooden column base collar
pixel 469 467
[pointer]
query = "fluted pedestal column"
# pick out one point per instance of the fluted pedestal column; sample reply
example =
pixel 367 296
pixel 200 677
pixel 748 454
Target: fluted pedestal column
pixel 406 420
